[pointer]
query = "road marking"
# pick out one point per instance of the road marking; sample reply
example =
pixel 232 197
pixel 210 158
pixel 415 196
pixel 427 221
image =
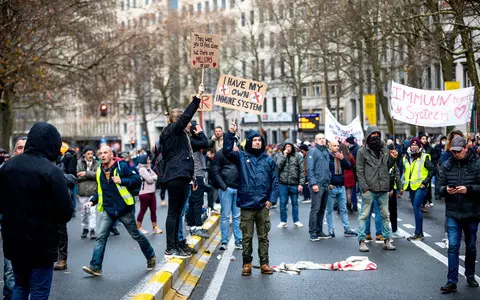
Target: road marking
pixel 441 245
pixel 399 220
pixel 222 268
pixel 462 257
pixel 426 235
pixel 409 226
pixel 432 252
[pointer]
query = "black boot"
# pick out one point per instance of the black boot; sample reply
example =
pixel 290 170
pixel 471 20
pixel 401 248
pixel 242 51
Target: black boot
pixel 84 234
pixel 92 235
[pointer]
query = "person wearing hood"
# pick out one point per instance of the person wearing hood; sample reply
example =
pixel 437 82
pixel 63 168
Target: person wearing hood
pixel 291 178
pixel 30 236
pixel 352 145
pixel 258 182
pixel 319 175
pixel 147 194
pixel 418 172
pixel 460 185
pixel 437 153
pixel 374 161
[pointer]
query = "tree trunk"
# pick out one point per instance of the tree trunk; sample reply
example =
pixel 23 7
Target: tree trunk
pixel 361 80
pixel 6 117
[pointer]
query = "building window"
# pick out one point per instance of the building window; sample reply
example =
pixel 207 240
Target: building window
pixel 317 90
pixel 282 66
pixel 333 89
pixel 260 15
pixel 243 19
pixel 305 91
pixel 146 2
pixel 232 3
pixel 438 80
pixel 244 43
pixel 199 7
pixel 224 4
pixel 207 6
pixel 128 4
pixel 274 136
pixel 274 104
pixel 271 15
pixel 134 3
pixel 253 70
pixel 252 17
pixel 122 5
pixel 272 68
pixel 215 4
pixel 262 69
pixel 272 39
pixel 284 104
pixel 261 39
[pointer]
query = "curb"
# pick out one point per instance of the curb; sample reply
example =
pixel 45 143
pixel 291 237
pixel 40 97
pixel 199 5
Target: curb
pixel 178 277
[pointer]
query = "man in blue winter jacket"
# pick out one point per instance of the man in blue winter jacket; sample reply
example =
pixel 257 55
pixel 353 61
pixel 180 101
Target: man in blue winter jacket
pixel 258 182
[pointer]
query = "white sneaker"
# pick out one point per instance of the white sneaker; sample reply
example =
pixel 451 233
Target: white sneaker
pixel 298 224
pixel 431 204
pixel 144 231
pixel 445 241
pixel 397 235
pixel 282 225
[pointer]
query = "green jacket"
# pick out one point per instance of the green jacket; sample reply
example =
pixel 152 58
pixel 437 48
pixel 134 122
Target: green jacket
pixel 291 169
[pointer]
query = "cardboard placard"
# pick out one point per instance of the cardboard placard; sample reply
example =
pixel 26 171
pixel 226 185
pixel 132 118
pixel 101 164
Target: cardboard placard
pixel 205 50
pixel 240 94
pixel 206 102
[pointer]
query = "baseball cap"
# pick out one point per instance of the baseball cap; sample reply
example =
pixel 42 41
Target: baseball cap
pixel 458 143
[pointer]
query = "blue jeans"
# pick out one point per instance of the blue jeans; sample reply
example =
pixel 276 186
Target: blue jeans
pixel 317 209
pixel 8 278
pixel 34 282
pixel 454 228
pixel 228 204
pixel 378 220
pixel 337 194
pixel 416 197
pixel 285 191
pixel 382 201
pixel 128 220
pixel 74 197
pixel 184 211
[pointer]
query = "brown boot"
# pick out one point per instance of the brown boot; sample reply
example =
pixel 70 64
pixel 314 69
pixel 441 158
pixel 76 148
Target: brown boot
pixel 60 265
pixel 265 269
pixel 247 270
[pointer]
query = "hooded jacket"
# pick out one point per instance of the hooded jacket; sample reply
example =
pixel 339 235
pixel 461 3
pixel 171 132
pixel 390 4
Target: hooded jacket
pixel 257 173
pixel 224 173
pixel 149 178
pixel 372 171
pixel 291 169
pixel 34 200
pixel 464 172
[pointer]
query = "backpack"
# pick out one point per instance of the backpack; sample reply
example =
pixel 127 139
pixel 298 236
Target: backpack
pixel 135 189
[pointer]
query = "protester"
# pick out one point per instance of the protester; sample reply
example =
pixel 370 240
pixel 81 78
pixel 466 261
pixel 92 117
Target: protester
pixel 147 196
pixel 318 172
pixel 428 149
pixel 258 182
pixel 352 145
pixel 459 184
pixel 291 178
pixel 437 153
pixel 87 185
pixel 374 161
pixel 306 191
pixel 217 139
pixel 30 236
pixel 395 187
pixel 349 175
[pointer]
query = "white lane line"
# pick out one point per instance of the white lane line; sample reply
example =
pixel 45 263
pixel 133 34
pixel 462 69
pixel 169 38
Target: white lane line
pixel 409 226
pixel 462 257
pixel 426 234
pixel 217 280
pixel 399 220
pixel 441 245
pixel 432 252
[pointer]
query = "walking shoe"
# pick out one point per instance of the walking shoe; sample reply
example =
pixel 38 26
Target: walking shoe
pixel 157 230
pixel 445 241
pixel 84 234
pixel 265 269
pixel 178 253
pixel 60 265
pixel 363 247
pixel 424 209
pixel 387 245
pixel 214 212
pixel 369 237
pixel 415 237
pixel 223 247
pixel 298 224
pixel 379 237
pixel 186 248
pixel 472 282
pixel 273 206
pixel 350 232
pixel 92 271
pixel 282 225
pixel 115 231
pixel 238 247
pixel 93 236
pixel 331 234
pixel 201 233
pixel 142 230
pixel 308 200
pixel 449 287
pixel 323 236
pixel 151 263
pixel 397 235
pixel 247 270
pixel 314 238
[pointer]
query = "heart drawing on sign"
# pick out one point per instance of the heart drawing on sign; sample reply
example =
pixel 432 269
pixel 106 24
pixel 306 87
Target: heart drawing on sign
pixel 194 62
pixel 459 111
pixel 214 64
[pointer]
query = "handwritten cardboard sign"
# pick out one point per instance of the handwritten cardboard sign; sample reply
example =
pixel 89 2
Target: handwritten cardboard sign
pixel 206 102
pixel 240 94
pixel 205 50
pixel 336 131
pixel 431 108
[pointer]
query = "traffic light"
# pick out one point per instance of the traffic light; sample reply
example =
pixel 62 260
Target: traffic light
pixel 103 110
pixel 133 143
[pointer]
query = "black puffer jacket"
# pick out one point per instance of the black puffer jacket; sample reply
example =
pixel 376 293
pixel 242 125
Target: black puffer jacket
pixel 34 200
pixel 465 172
pixel 225 173
pixel 174 142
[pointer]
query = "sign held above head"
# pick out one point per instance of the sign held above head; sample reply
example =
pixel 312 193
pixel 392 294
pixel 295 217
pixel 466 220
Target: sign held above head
pixel 205 51
pixel 206 102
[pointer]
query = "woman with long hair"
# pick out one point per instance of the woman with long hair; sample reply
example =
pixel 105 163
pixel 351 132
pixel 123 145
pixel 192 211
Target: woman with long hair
pixel 349 176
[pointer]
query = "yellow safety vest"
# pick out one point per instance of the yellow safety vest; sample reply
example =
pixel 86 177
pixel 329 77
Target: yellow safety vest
pixel 392 169
pixel 127 197
pixel 415 173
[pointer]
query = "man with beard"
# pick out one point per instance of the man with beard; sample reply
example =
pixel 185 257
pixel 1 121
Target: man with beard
pixel 373 164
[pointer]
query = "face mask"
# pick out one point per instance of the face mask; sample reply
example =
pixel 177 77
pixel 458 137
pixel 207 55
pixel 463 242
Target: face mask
pixel 414 151
pixel 443 143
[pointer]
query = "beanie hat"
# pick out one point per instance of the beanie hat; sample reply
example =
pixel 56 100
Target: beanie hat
pixel 351 139
pixel 415 141
pixel 87 148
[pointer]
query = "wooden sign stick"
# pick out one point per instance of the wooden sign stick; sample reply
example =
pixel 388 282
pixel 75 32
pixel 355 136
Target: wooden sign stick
pixel 203 74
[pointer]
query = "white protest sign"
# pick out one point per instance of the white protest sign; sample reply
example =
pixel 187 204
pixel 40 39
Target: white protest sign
pixel 205 50
pixel 431 108
pixel 240 94
pixel 336 131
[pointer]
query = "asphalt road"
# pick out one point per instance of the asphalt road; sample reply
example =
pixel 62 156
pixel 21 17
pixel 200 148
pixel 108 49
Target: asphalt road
pixel 408 273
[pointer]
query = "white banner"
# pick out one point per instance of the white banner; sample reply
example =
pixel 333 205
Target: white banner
pixel 339 132
pixel 431 108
